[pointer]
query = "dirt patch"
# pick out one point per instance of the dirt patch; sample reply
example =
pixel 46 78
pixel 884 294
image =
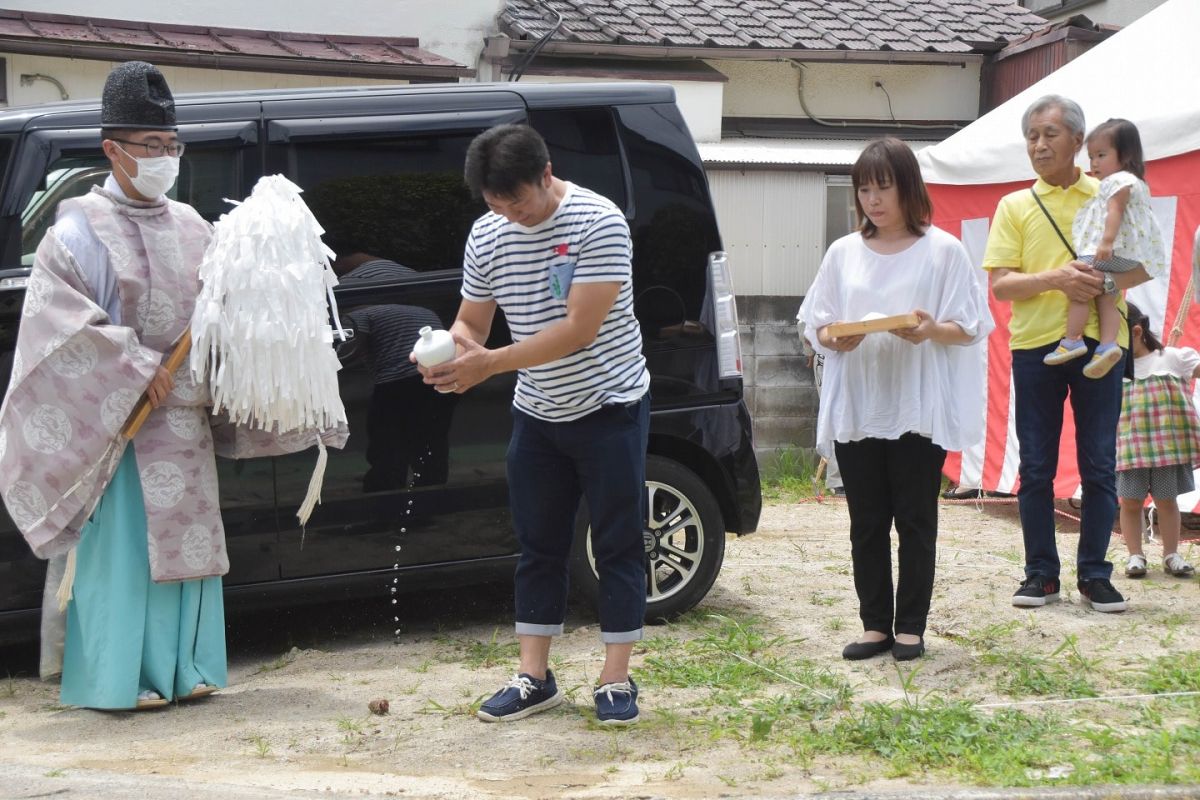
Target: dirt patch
pixel 741 698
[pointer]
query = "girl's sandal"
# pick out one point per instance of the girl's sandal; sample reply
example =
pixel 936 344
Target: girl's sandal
pixel 1175 566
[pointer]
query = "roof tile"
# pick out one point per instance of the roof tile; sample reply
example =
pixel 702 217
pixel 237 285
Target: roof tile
pixel 946 26
pixel 168 43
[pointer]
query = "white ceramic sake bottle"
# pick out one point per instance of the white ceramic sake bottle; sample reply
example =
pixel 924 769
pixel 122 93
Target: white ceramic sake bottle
pixel 433 348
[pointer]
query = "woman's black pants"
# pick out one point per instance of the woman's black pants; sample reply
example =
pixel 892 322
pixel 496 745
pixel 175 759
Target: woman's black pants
pixel 886 481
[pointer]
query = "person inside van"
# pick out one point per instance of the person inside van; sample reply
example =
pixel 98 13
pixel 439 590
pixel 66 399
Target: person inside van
pixel 556 258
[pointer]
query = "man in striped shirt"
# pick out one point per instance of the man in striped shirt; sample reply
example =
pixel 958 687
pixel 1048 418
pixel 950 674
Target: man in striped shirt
pixel 556 258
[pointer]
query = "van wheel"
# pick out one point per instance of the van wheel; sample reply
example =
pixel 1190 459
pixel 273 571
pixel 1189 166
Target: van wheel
pixel 684 538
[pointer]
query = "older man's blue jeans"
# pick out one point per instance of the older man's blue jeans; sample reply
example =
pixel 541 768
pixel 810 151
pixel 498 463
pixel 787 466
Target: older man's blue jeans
pixel 1040 392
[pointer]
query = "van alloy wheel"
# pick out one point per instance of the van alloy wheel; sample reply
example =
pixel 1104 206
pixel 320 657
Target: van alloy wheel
pixel 674 539
pixel 684 539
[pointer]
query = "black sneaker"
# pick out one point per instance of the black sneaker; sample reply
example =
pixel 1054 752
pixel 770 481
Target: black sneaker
pixel 1036 591
pixel 1102 595
pixel 519 698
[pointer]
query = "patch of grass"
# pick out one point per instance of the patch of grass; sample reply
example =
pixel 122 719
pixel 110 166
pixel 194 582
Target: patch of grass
pixel 949 737
pixel 790 475
pixel 279 663
pixel 9 688
pixel 1163 756
pixel 491 653
pixel 991 637
pixel 758 692
pixel 675 772
pixel 476 654
pixel 1064 673
pixel 730 657
pixel 467 709
pixel 350 725
pixel 1177 672
pixel 262 748
pixel 55 773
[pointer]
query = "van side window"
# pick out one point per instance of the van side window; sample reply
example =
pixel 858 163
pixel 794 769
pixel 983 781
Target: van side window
pixel 674 228
pixel 400 199
pixel 584 149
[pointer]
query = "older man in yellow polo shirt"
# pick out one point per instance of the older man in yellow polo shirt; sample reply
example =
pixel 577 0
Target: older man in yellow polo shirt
pixel 1033 266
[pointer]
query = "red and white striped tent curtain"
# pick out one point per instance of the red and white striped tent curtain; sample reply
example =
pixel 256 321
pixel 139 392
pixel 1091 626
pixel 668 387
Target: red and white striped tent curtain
pixel 1147 73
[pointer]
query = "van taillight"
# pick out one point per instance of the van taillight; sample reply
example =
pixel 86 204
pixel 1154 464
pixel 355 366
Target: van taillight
pixel 729 346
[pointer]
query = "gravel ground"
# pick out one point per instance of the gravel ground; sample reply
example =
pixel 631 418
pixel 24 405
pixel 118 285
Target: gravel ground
pixel 294 720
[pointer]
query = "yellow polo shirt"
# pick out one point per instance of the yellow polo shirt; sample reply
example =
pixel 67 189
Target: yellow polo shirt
pixel 1022 239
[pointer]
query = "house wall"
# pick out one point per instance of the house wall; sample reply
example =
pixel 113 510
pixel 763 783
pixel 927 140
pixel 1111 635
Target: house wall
pixel 451 29
pixel 1111 12
pixel 83 78
pixel 773 227
pixel 848 91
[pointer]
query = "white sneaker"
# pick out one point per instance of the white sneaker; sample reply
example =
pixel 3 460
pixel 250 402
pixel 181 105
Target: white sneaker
pixel 1176 566
pixel 1135 567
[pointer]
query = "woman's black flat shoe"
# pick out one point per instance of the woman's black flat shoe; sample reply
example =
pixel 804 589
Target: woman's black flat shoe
pixel 857 651
pixel 908 652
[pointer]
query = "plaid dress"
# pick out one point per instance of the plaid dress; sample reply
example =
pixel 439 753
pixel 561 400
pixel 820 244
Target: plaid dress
pixel 1158 426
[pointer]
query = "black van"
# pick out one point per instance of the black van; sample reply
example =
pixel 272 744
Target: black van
pixel 418 498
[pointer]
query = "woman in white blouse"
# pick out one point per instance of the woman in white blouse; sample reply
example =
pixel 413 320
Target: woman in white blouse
pixel 893 403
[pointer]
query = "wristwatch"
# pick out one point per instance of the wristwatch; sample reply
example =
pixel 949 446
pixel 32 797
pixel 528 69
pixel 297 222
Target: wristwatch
pixel 1110 286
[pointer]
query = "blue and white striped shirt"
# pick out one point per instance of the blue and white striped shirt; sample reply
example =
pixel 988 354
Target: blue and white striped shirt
pixel 510 264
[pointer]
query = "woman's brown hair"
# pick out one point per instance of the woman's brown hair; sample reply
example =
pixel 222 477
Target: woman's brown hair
pixel 889 161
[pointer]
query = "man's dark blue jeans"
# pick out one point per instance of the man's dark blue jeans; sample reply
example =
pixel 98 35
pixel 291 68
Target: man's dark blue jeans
pixel 1040 392
pixel 551 465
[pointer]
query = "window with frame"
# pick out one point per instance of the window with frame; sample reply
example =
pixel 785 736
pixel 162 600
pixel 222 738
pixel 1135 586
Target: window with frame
pixel 397 198
pixel 841 217
pixel 208 173
pixel 584 149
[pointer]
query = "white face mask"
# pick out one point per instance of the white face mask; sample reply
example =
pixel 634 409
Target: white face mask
pixel 155 176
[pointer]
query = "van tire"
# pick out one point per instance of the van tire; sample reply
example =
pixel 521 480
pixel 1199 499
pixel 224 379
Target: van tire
pixel 678 496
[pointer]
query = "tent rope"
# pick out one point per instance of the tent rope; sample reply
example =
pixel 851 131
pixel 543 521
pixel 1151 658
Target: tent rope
pixel 1177 328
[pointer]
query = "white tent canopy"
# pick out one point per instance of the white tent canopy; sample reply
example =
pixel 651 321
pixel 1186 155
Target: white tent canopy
pixel 1107 81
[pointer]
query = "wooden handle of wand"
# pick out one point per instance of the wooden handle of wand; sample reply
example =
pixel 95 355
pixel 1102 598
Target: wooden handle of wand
pixel 143 407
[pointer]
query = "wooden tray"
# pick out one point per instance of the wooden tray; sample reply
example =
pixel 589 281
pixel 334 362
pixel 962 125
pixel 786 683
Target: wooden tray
pixel 839 329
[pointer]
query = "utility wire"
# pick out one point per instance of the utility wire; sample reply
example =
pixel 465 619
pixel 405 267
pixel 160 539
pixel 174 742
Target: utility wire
pixel 519 70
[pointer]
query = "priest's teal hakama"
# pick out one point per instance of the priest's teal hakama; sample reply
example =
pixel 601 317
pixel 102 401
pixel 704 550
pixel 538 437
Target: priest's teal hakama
pixel 164 637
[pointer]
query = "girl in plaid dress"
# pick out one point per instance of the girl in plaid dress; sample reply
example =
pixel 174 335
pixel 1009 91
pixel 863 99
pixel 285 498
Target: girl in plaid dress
pixel 1158 443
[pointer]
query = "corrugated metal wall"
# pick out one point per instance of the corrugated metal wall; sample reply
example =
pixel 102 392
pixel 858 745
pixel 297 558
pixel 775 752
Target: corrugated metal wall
pixel 1009 75
pixel 773 226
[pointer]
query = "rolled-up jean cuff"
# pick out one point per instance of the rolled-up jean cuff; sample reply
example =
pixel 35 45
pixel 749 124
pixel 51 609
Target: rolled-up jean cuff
pixel 532 629
pixel 621 637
